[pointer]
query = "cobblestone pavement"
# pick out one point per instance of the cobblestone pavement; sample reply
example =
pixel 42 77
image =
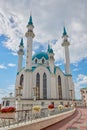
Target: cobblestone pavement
pixel 78 121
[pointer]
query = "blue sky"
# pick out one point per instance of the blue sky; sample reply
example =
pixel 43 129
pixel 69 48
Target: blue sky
pixel 49 17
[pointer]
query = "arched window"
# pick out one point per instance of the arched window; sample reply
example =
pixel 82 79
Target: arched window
pixel 37 86
pixel 21 80
pixel 43 61
pixel 35 60
pixel 7 103
pixel 59 87
pixel 44 86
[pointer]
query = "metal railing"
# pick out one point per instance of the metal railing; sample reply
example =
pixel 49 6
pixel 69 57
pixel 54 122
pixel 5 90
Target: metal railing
pixel 24 116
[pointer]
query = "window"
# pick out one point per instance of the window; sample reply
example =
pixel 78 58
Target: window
pixel 51 57
pixel 21 80
pixel 3 103
pixel 37 86
pixel 7 103
pixel 43 61
pixel 44 86
pixel 35 60
pixel 59 87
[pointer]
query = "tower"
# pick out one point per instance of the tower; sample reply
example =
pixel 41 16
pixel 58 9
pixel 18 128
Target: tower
pixel 65 44
pixel 20 55
pixel 28 85
pixel 51 58
pixel 29 35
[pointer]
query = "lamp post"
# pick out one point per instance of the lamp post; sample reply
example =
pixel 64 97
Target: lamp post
pixel 34 92
pixel 71 93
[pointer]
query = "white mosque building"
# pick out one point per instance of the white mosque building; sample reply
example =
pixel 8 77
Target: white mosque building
pixel 40 79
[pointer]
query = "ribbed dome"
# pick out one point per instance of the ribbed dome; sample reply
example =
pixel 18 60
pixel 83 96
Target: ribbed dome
pixel 40 56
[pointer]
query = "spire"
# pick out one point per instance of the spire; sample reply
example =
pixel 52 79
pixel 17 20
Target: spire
pixel 64 32
pixel 30 20
pixel 48 47
pixel 50 50
pixel 21 43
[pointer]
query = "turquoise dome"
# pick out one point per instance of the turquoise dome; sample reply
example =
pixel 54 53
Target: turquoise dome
pixel 40 56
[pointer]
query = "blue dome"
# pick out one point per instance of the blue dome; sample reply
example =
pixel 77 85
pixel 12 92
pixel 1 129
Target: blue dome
pixel 40 56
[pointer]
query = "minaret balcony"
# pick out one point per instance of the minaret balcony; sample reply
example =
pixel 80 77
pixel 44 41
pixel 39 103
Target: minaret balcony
pixel 30 34
pixel 65 43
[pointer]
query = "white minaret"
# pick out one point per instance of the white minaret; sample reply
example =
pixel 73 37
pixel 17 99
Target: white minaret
pixel 51 58
pixel 20 55
pixel 29 35
pixel 28 84
pixel 65 44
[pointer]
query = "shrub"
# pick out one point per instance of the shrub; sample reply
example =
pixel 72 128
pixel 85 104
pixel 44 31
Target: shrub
pixel 37 108
pixel 8 109
pixel 66 105
pixel 60 107
pixel 51 106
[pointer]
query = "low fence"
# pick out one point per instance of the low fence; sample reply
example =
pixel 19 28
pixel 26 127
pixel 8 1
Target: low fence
pixel 23 116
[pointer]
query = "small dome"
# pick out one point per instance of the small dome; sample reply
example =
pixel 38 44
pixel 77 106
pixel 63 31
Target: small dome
pixel 40 56
pixel 51 50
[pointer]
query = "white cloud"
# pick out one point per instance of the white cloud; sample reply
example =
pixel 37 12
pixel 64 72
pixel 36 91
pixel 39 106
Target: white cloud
pixel 11 65
pixel 80 83
pixel 3 67
pixel 49 19
pixel 75 69
pixel 5 91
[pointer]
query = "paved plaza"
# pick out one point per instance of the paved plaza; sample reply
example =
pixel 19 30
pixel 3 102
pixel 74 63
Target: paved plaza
pixel 78 121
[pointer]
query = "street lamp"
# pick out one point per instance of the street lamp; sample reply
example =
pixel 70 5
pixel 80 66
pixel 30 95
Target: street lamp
pixel 34 92
pixel 71 93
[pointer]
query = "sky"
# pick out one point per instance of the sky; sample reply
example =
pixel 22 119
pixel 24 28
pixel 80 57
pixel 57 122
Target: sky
pixel 49 18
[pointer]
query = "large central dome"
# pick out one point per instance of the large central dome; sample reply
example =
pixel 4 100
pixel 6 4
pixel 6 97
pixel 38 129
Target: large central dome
pixel 40 56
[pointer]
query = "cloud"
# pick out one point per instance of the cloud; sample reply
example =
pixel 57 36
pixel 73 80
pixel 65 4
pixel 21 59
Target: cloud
pixel 80 83
pixel 3 67
pixel 49 19
pixel 75 69
pixel 5 91
pixel 11 65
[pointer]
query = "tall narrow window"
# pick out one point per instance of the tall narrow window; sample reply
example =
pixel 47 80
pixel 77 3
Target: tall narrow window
pixel 21 80
pixel 43 61
pixel 59 87
pixel 35 60
pixel 38 86
pixel 44 86
pixel 7 103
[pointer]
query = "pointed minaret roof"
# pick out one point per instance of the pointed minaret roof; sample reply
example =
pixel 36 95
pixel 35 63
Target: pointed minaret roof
pixel 50 50
pixel 48 47
pixel 21 43
pixel 30 20
pixel 64 32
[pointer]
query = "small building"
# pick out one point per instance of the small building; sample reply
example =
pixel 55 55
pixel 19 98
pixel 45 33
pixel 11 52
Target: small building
pixel 8 101
pixel 84 95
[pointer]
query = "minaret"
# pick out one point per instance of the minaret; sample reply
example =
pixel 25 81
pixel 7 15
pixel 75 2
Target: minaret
pixel 51 58
pixel 29 35
pixel 65 44
pixel 20 55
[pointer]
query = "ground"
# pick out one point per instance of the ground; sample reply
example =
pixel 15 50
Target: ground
pixel 78 121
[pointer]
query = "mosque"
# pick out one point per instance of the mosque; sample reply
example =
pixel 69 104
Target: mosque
pixel 40 79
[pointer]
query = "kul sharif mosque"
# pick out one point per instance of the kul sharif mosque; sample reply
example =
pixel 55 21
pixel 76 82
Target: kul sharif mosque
pixel 41 80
